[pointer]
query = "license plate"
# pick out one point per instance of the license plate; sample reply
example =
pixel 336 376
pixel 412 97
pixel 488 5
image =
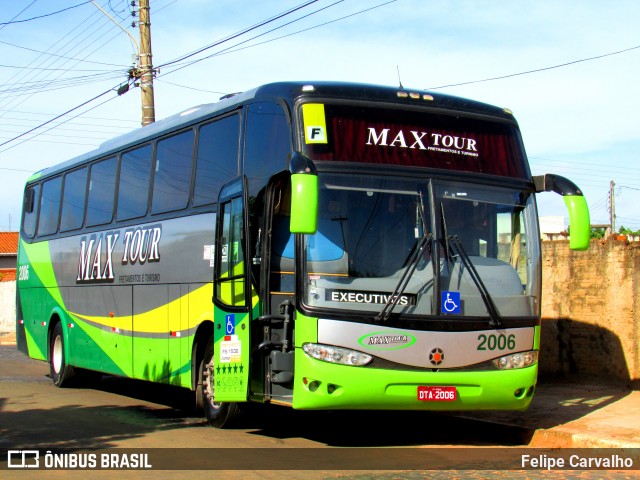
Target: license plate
pixel 437 394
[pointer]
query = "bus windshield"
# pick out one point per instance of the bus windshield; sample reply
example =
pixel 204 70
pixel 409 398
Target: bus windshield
pixel 370 227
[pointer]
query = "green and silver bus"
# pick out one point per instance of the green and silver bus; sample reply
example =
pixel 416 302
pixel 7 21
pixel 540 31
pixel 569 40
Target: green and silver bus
pixel 315 245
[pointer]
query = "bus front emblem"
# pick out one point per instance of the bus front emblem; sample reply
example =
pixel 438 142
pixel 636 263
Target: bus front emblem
pixel 436 356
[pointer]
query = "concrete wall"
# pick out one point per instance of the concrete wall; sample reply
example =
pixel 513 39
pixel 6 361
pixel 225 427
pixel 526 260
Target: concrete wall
pixel 590 310
pixel 7 307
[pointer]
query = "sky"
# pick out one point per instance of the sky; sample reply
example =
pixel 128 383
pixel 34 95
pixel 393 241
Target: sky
pixel 569 70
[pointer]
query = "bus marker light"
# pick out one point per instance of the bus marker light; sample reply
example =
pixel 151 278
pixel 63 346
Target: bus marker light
pixel 428 97
pixel 44 324
pixel 115 330
pixel 70 325
pixel 175 334
pixel 21 322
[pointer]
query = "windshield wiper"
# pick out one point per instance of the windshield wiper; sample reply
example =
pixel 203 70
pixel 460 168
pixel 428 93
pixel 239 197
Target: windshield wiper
pixel 477 280
pixel 412 263
pixel 445 238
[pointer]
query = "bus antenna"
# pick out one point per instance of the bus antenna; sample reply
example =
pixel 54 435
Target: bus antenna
pixel 399 79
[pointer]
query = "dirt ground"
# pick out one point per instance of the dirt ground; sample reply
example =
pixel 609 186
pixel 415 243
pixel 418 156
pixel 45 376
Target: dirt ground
pixel 7 338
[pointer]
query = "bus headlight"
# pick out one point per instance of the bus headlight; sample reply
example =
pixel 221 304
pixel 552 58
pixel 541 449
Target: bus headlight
pixel 342 356
pixel 516 360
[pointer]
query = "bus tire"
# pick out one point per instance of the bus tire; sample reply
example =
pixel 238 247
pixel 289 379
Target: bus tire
pixel 218 414
pixel 61 373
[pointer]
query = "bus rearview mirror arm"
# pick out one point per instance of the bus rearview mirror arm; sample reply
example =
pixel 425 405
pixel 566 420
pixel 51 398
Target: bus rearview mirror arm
pixel 550 182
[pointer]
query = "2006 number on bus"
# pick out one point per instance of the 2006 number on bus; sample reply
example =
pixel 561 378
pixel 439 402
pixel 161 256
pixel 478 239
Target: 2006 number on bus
pixel 496 342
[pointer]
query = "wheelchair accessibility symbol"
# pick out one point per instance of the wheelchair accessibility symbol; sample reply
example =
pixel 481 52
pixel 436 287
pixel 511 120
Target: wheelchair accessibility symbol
pixel 230 324
pixel 450 303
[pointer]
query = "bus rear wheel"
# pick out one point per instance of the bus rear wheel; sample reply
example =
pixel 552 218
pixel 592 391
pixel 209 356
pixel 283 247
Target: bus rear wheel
pixel 218 414
pixel 61 373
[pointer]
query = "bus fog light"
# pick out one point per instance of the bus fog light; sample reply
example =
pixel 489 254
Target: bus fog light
pixel 516 360
pixel 342 356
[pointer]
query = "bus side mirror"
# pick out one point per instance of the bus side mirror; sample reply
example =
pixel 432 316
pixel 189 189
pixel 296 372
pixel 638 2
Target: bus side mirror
pixel 579 220
pixel 304 194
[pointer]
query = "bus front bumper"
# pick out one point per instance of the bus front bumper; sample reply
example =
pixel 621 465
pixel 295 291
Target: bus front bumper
pixel 320 385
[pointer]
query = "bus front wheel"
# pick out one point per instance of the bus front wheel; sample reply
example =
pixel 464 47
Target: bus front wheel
pixel 218 414
pixel 60 372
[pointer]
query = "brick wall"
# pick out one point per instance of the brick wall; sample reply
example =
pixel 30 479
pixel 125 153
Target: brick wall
pixel 590 318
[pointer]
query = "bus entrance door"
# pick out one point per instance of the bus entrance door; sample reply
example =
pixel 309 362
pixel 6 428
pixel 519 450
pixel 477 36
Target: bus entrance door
pixel 232 297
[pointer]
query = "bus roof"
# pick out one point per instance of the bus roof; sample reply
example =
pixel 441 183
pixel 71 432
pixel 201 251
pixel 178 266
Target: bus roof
pixel 289 92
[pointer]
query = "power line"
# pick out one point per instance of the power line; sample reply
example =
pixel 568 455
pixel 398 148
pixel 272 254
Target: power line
pixel 104 93
pixel 192 88
pixel 597 57
pixel 64 48
pixel 21 12
pixel 233 49
pixel 238 34
pixel 58 116
pixel 61 123
pixel 48 85
pixel 21 112
pixel 582 164
pixel 11 22
pixel 41 69
pixel 17 170
pixel 61 56
pixel 74 45
pixel 54 119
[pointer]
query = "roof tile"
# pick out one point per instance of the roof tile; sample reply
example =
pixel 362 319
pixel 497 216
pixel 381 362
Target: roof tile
pixel 9 242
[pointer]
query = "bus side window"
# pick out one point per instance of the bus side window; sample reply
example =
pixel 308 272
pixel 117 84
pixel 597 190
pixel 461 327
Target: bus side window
pixel 133 188
pixel 30 210
pixel 75 193
pixel 102 188
pixel 172 178
pixel 50 206
pixel 229 267
pixel 217 161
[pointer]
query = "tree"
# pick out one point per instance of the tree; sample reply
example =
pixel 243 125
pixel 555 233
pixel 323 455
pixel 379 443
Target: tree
pixel 598 232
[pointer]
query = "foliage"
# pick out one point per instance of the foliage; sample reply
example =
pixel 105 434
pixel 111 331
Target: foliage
pixel 628 231
pixel 598 232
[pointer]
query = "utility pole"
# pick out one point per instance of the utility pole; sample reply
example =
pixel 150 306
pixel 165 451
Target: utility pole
pixel 144 69
pixel 146 64
pixel 612 205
